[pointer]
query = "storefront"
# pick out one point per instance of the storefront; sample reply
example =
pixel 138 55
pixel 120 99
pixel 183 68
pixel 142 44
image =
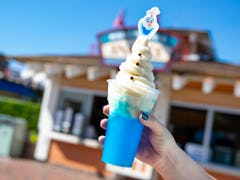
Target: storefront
pixel 199 103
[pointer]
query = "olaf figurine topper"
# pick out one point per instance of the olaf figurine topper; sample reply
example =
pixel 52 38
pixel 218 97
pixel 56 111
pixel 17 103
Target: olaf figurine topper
pixel 148 25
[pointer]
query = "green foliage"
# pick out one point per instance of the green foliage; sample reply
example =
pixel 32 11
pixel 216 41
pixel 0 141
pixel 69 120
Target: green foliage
pixel 20 108
pixel 33 136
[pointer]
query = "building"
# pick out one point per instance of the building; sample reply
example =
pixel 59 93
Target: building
pixel 199 102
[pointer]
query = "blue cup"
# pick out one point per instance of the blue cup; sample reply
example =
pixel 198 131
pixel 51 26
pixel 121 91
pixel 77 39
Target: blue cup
pixel 124 130
pixel 122 139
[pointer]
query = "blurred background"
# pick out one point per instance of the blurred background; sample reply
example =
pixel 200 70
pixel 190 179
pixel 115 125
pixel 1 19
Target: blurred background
pixel 55 60
pixel 62 27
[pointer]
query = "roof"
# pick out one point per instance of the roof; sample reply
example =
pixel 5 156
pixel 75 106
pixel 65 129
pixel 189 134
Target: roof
pixel 62 59
pixel 199 67
pixel 206 68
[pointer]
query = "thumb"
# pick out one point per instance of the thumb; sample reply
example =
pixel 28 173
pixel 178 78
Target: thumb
pixel 151 122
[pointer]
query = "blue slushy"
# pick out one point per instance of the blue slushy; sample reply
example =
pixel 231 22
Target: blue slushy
pixel 132 91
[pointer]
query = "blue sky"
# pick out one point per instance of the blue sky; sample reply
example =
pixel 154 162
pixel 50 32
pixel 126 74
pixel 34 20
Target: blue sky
pixel 52 27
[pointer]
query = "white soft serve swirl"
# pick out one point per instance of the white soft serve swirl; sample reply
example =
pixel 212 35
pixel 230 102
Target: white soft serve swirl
pixel 136 70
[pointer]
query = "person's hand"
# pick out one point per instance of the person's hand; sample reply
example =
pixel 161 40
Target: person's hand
pixel 155 142
pixel 159 149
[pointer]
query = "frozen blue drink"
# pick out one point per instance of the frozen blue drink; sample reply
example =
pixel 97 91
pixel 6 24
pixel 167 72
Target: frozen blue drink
pixel 132 91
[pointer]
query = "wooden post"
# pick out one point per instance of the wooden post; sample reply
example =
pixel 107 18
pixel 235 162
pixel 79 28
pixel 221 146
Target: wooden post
pixel 46 118
pixel 237 89
pixel 178 81
pixel 161 110
pixel 208 85
pixel 96 72
pixel 72 71
pixel 207 135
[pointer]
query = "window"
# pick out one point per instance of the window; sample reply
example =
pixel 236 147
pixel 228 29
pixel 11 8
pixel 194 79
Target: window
pixel 97 113
pixel 225 142
pixel 187 125
pixel 196 129
pixel 73 112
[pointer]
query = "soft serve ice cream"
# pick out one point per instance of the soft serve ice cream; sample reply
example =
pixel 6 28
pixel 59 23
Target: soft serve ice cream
pixel 135 77
pixel 131 92
pixel 137 69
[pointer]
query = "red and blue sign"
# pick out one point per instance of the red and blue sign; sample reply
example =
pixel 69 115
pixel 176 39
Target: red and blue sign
pixel 115 46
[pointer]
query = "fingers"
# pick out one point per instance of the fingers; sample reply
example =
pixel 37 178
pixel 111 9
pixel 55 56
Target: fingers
pixel 106 110
pixel 103 123
pixel 151 122
pixel 101 139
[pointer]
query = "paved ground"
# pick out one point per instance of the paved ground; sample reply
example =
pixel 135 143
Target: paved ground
pixel 26 169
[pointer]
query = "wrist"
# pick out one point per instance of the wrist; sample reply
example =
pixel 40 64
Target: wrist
pixel 176 164
pixel 167 159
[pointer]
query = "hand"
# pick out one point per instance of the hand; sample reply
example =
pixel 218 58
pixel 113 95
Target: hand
pixel 159 149
pixel 155 141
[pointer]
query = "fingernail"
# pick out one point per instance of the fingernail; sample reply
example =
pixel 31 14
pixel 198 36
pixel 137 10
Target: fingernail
pixel 144 116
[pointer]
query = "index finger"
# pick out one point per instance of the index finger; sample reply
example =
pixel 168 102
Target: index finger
pixel 106 110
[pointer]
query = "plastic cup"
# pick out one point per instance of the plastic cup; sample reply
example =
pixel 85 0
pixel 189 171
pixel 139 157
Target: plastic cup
pixel 124 129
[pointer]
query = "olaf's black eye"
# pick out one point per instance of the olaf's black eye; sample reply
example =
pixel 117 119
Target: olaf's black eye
pixel 137 63
pixel 131 78
pixel 140 54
